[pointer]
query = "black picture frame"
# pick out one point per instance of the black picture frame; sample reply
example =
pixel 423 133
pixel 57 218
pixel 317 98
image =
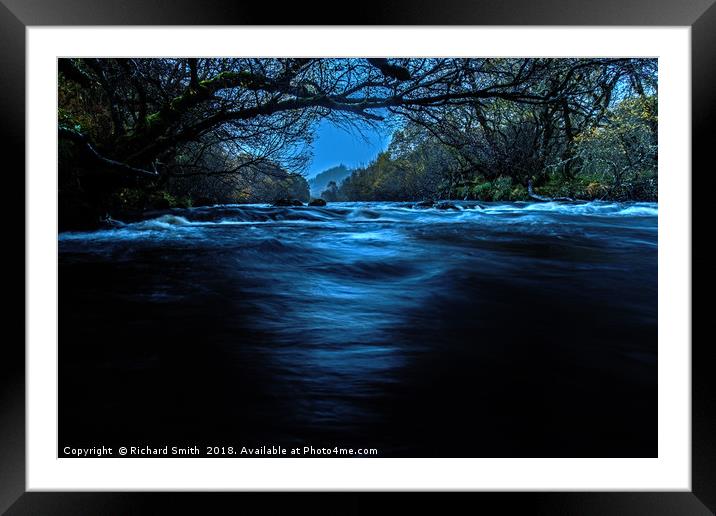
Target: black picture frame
pixel 16 15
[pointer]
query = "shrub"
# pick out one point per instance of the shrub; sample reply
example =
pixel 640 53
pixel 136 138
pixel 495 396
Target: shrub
pixel 483 191
pixel 502 188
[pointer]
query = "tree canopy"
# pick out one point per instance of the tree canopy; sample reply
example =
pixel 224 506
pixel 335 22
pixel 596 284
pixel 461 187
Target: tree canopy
pixel 153 122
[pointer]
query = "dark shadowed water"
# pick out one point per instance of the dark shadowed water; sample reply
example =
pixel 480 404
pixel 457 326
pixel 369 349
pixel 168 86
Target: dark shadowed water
pixel 515 329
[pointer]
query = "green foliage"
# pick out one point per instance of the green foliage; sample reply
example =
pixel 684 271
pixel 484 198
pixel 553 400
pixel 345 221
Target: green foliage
pixel 171 132
pixel 84 110
pixel 621 155
pixel 139 199
pixel 519 193
pixel 615 159
pixel 483 191
pixel 499 189
pixel 502 189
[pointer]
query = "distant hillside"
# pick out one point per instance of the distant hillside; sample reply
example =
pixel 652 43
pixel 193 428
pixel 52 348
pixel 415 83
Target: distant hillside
pixel 319 183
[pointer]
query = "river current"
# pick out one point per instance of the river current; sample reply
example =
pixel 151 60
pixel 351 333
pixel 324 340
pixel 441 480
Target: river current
pixel 497 329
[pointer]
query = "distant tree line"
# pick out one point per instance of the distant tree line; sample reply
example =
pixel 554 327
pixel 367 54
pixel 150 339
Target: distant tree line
pixel 613 159
pixel 323 179
pixel 152 127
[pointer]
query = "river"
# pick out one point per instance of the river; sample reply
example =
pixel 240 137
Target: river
pixel 496 330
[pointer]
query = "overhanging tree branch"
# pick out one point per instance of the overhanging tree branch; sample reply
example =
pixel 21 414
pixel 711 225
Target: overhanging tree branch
pixel 117 166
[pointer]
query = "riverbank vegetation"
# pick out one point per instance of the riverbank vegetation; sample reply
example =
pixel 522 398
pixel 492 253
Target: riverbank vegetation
pixel 615 158
pixel 136 134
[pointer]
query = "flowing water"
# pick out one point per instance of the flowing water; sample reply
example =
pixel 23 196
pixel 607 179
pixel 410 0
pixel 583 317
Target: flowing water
pixel 499 329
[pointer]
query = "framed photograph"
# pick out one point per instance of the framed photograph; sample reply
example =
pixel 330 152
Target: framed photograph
pixel 442 248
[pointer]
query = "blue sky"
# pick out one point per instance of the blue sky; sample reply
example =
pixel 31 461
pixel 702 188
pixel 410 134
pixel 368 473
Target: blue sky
pixel 334 146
